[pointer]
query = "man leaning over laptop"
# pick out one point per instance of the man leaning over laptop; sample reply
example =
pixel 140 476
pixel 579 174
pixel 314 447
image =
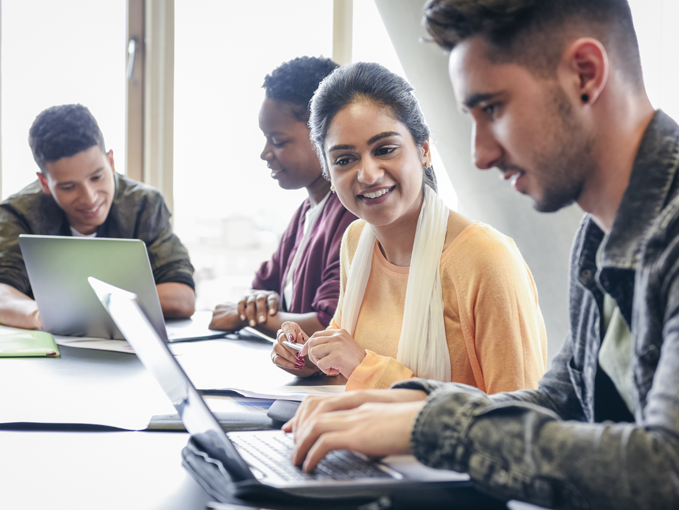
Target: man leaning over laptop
pixel 556 95
pixel 79 193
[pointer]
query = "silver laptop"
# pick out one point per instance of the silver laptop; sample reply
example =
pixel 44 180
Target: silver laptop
pixel 258 460
pixel 58 268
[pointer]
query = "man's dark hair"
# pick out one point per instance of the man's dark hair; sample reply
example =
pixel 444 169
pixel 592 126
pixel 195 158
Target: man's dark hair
pixel 360 81
pixel 533 33
pixel 294 82
pixel 63 131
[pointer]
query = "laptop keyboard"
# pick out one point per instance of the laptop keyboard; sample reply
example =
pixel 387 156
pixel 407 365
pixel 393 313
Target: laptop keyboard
pixel 273 451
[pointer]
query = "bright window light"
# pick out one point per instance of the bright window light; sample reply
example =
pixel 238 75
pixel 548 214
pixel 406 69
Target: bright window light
pixel 228 210
pixel 655 23
pixel 54 53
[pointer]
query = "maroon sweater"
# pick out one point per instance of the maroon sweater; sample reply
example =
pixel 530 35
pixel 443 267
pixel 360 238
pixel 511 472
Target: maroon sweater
pixel 316 281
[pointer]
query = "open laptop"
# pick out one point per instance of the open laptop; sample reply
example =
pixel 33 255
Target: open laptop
pixel 258 462
pixel 58 268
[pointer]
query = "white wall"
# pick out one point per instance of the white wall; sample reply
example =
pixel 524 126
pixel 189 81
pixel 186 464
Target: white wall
pixel 544 239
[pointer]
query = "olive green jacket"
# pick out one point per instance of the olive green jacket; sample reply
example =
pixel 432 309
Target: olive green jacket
pixel 138 211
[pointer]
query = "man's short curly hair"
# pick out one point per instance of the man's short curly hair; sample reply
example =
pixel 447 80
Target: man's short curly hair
pixel 295 82
pixel 533 33
pixel 63 131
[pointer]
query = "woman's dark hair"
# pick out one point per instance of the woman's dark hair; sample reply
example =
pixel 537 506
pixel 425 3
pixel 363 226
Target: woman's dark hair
pixel 63 131
pixel 295 81
pixel 366 81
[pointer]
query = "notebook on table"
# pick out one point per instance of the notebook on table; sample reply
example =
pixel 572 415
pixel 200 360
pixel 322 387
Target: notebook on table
pixel 58 268
pixel 258 462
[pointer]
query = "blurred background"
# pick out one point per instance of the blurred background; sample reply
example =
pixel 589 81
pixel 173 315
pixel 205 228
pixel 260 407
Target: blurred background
pixel 205 61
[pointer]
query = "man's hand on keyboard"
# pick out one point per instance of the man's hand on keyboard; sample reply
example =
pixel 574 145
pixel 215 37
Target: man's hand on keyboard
pixel 315 405
pixel 376 423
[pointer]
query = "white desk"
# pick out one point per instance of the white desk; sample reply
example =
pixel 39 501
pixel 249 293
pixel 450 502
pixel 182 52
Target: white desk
pixel 106 470
pixel 96 470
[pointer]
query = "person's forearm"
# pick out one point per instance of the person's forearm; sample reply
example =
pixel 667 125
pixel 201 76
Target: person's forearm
pixel 521 451
pixel 177 300
pixel 17 309
pixel 307 321
pixel 377 372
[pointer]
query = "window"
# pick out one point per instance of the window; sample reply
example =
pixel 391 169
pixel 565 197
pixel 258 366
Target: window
pixel 655 24
pixel 228 211
pixel 55 53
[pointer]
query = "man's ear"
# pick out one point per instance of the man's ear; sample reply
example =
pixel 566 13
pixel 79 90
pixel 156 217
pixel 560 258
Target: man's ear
pixel 109 156
pixel 587 62
pixel 426 153
pixel 43 182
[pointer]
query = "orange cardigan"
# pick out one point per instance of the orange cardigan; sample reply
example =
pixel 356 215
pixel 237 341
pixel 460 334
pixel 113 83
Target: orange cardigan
pixel 494 328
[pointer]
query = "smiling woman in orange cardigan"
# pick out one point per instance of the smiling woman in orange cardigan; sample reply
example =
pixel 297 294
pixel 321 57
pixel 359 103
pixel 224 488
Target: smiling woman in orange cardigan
pixel 494 328
pixel 424 291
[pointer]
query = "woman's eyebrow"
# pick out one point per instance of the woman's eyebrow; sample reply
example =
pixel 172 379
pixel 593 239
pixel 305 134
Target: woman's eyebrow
pixel 386 134
pixel 342 148
pixel 372 140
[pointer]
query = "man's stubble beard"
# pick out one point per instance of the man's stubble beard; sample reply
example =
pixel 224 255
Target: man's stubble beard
pixel 567 160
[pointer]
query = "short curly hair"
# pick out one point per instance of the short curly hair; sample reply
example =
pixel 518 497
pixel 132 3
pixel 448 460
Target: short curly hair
pixel 295 82
pixel 63 131
pixel 532 33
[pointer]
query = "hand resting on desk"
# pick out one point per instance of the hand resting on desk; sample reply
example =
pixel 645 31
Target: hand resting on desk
pixel 225 317
pixel 376 423
pixel 252 309
pixel 17 309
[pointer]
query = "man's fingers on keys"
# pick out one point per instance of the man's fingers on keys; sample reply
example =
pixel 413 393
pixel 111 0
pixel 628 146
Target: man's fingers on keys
pixel 305 412
pixel 312 434
pixel 314 406
pixel 288 425
pixel 323 446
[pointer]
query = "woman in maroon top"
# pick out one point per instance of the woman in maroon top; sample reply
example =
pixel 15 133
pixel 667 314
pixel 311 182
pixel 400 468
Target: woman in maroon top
pixel 301 281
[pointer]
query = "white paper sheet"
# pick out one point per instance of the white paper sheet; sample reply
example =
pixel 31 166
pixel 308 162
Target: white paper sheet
pixel 296 393
pixel 101 344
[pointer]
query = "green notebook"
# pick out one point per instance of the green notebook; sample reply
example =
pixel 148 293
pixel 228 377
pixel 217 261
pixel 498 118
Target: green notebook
pixel 16 342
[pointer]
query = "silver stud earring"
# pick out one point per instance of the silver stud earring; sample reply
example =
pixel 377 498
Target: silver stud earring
pixel 332 188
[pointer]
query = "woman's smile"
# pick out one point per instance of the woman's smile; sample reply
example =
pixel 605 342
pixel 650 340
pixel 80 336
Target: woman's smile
pixel 376 195
pixel 375 164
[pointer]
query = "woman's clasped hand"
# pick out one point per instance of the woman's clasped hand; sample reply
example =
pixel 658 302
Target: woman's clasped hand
pixel 253 308
pixel 332 351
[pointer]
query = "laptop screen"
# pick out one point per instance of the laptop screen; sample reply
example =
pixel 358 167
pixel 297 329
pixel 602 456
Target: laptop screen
pixel 133 323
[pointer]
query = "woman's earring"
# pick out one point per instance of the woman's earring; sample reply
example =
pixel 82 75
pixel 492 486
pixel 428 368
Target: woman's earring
pixel 332 188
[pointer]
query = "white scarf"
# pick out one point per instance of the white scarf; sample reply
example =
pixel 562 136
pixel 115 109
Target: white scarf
pixel 422 346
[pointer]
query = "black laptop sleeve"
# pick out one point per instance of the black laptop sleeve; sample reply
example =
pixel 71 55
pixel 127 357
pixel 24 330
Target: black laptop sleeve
pixel 217 481
pixel 211 473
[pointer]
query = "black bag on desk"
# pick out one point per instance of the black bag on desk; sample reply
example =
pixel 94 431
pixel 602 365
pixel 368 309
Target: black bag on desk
pixel 206 461
pixel 217 481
